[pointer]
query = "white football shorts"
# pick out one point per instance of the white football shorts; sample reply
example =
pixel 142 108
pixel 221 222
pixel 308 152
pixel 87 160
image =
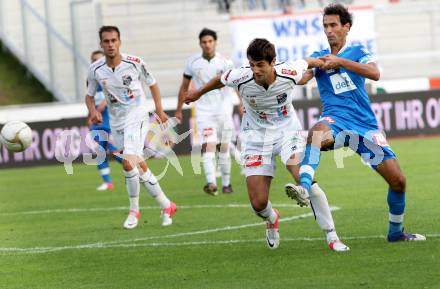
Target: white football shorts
pixel 131 139
pixel 259 149
pixel 214 128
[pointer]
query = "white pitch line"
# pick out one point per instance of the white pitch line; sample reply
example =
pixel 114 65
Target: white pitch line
pixel 85 210
pixel 193 243
pixel 121 242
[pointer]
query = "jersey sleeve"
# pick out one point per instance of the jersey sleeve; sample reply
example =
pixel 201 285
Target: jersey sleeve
pixel 234 77
pixel 294 70
pixel 92 83
pixel 315 54
pixel 146 76
pixel 365 56
pixel 187 71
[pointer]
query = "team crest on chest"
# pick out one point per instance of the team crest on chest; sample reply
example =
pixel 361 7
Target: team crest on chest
pixel 252 100
pixel 281 98
pixel 126 80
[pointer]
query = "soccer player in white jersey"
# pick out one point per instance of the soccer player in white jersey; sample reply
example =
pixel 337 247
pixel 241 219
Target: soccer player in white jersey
pixel 269 128
pixel 121 77
pixel 213 110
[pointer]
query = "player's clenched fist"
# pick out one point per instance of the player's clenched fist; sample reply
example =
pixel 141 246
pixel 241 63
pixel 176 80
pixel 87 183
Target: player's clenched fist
pixel 191 96
pixel 95 117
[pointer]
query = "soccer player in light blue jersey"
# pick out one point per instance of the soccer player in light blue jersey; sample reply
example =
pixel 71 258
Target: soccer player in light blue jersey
pixel 101 132
pixel 347 119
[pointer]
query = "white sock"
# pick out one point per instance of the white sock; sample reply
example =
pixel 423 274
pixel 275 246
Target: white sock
pixel 152 185
pixel 209 167
pixel 322 211
pixel 224 160
pixel 268 213
pixel 331 236
pixel 233 150
pixel 132 184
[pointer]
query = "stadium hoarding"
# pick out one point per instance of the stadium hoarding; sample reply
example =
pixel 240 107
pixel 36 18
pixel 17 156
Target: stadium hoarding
pixel 297 35
pixel 399 115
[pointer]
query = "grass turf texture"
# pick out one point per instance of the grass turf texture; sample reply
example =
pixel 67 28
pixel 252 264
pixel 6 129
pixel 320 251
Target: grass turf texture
pixel 17 86
pixel 184 263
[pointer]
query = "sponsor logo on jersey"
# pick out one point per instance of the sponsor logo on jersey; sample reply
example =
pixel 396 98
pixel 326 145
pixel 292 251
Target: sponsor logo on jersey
pixel 288 71
pixel 282 111
pixel 281 97
pixel 227 75
pixel 237 81
pixel 252 161
pixel 262 115
pixel 127 94
pixel 111 97
pixel 135 59
pixel 126 80
pixel 208 131
pixel 342 82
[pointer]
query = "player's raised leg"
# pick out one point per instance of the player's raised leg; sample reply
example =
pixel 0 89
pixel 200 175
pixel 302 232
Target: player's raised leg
pixel 390 170
pixel 319 204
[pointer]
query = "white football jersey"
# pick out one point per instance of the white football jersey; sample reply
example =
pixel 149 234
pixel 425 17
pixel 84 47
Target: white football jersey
pixel 271 108
pixel 122 87
pixel 201 71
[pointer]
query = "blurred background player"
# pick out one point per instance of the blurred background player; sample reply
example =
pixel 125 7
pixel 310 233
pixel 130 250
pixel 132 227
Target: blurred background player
pixel 346 108
pixel 213 110
pixel 270 127
pixel 101 132
pixel 121 77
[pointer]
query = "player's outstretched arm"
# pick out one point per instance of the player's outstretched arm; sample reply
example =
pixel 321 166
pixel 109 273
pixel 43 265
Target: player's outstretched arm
pixel 368 70
pixel 214 83
pixel 94 115
pixel 308 75
pixel 183 90
pixel 155 93
pixel 314 62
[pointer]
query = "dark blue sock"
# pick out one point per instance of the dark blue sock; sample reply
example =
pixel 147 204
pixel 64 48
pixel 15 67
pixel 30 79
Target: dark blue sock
pixel 309 165
pixel 396 204
pixel 113 149
pixel 104 171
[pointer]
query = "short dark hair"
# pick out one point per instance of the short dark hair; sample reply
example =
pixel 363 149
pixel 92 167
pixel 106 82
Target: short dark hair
pixel 207 32
pixel 261 49
pixel 109 29
pixel 338 9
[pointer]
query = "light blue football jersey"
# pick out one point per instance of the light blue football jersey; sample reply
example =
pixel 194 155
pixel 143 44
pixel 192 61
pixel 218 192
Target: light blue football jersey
pixel 343 92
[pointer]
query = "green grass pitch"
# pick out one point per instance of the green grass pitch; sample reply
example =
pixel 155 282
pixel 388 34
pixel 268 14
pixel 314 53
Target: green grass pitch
pixel 57 231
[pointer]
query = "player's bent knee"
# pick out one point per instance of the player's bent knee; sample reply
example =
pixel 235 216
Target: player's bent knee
pixel 126 165
pixel 398 183
pixel 258 206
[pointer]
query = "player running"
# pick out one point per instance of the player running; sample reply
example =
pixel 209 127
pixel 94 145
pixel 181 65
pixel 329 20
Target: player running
pixel 213 110
pixel 101 132
pixel 269 128
pixel 347 112
pixel 121 77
